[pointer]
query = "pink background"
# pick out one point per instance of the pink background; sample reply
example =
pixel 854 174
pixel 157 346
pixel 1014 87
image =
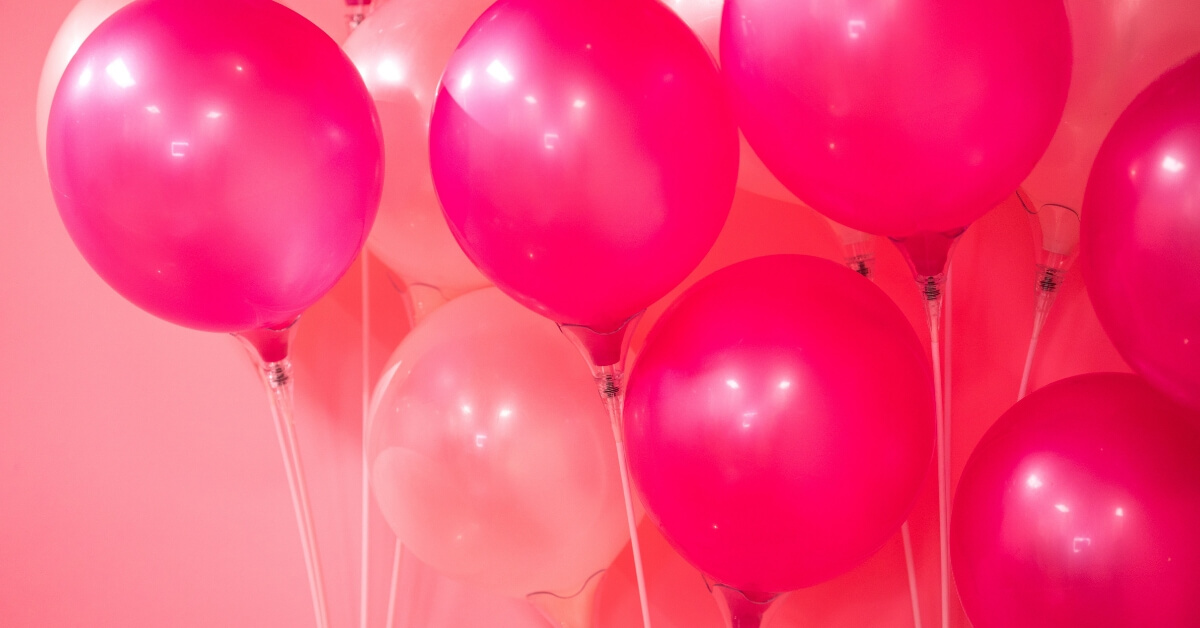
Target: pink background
pixel 140 479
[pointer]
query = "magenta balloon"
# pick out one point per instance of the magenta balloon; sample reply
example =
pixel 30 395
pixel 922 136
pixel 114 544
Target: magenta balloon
pixel 218 163
pixel 898 117
pixel 1140 236
pixel 780 421
pixel 584 154
pixel 1080 508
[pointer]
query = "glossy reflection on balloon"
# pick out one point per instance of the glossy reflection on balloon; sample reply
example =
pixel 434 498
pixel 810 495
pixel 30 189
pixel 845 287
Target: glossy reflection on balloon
pixel 401 50
pixel 1080 508
pixel 898 117
pixel 1140 234
pixel 217 163
pixel 489 455
pixel 780 421
pixel 584 154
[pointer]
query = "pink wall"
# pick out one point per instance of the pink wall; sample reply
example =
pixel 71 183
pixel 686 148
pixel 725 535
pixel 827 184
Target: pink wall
pixel 140 482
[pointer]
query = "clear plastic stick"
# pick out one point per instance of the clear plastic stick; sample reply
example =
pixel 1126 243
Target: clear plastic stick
pixel 278 378
pixel 605 354
pixel 933 311
pixel 397 555
pixel 364 577
pixel 858 253
pixel 1056 240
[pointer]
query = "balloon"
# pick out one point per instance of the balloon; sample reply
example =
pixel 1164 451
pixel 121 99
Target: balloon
pixel 1079 508
pixel 401 50
pixel 1119 48
pixel 1140 233
pixel 894 118
pixel 752 436
pixel 584 154
pixel 217 163
pixel 489 456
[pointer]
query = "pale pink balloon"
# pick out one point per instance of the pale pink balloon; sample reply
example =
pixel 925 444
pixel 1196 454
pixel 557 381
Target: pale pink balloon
pixel 489 455
pixel 1080 508
pixel 79 23
pixel 894 118
pixel 401 50
pixel 780 422
pixel 1120 46
pixel 584 154
pixel 217 163
pixel 1140 233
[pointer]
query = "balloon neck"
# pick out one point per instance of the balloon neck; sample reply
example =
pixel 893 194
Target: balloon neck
pixel 603 348
pixel 928 256
pixel 858 248
pixel 742 609
pixel 577 610
pixel 356 12
pixel 269 348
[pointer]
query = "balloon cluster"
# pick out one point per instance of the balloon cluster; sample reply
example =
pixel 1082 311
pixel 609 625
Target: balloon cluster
pixel 222 173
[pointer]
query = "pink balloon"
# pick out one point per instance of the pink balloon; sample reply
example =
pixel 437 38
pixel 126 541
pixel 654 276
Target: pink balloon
pixel 584 154
pixel 780 422
pixel 217 163
pixel 1080 508
pixel 490 457
pixel 1140 233
pixel 401 50
pixel 894 118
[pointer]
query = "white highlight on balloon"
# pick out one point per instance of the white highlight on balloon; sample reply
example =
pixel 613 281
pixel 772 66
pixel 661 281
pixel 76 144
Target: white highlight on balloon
pixel 119 73
pixel 499 72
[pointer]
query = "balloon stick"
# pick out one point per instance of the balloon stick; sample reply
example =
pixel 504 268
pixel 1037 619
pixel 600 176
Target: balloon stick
pixel 605 353
pixel 1056 244
pixel 858 251
pixel 928 256
pixel 269 350
pixel 364 578
pixel 397 555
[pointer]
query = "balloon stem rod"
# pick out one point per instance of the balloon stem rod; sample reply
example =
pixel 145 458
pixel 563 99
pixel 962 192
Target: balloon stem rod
pixel 397 554
pixel 605 353
pixel 933 311
pixel 911 567
pixel 269 349
pixel 740 609
pixel 364 576
pixel 1048 282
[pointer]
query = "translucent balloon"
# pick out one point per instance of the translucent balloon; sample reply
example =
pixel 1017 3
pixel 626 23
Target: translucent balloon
pixel 780 422
pixel 584 154
pixel 894 118
pixel 1140 234
pixel 217 163
pixel 1120 47
pixel 1080 508
pixel 401 50
pixel 489 455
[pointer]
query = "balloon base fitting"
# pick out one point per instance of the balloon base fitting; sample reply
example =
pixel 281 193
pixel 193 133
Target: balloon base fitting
pixel 574 611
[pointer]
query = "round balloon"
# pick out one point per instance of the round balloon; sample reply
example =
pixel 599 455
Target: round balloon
pixel 1079 508
pixel 780 421
pixel 490 457
pixel 401 50
pixel 894 118
pixel 217 163
pixel 1140 234
pixel 584 154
